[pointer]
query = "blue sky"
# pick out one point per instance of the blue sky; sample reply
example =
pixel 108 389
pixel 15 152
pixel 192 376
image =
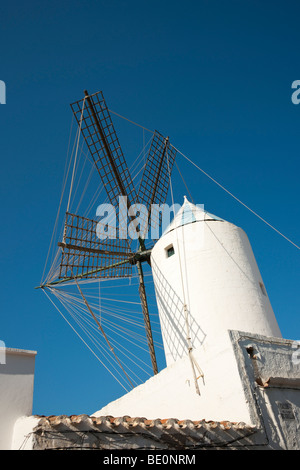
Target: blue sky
pixel 214 76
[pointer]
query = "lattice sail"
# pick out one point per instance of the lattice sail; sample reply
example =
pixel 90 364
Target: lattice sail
pixel 84 256
pixel 93 117
pixel 155 181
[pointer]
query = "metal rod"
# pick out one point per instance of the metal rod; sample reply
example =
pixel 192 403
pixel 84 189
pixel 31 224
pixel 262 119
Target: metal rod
pixel 92 250
pixel 190 348
pixel 143 297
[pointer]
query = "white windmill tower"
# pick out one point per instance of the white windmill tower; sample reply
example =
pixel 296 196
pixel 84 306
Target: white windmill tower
pixel 207 284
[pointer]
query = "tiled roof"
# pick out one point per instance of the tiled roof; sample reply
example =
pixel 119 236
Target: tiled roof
pixel 127 421
pixel 168 432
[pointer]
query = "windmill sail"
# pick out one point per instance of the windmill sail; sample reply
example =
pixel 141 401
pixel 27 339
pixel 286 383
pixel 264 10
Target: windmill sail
pixel 97 128
pixel 84 256
pixel 155 181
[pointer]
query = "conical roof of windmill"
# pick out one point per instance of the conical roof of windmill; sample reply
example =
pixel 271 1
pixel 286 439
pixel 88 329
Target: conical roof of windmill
pixel 189 213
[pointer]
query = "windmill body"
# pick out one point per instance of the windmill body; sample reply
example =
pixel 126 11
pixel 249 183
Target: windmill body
pixel 207 282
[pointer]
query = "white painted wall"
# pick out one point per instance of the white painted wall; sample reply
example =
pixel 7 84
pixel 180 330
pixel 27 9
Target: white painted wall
pixel 16 390
pixel 171 394
pixel 22 438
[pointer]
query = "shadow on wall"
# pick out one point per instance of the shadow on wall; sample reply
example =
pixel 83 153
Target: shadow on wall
pixel 172 318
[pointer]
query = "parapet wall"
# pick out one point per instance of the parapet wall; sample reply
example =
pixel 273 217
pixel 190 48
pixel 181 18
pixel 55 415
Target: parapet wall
pixel 16 390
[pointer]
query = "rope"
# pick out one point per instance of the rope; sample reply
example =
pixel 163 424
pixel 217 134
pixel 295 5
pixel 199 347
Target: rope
pixel 212 179
pixel 91 325
pixel 66 173
pixel 237 199
pixel 83 340
pixel 190 348
pixel 112 319
pixel 132 122
pixel 186 187
pixel 216 182
pixel 75 159
pixel 101 329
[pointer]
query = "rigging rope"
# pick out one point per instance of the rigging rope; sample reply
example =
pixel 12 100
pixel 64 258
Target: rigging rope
pixel 193 362
pixel 74 302
pixel 112 322
pixel 84 341
pixel 220 185
pixel 85 317
pixel 237 199
pixel 132 122
pixel 129 355
pixel 66 173
pixel 101 329
pixel 75 159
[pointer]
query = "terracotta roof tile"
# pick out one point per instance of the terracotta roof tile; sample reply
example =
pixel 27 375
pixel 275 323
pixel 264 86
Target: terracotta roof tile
pixel 129 421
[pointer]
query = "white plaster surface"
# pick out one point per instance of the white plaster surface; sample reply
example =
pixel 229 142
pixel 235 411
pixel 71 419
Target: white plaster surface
pixel 22 437
pixel 172 394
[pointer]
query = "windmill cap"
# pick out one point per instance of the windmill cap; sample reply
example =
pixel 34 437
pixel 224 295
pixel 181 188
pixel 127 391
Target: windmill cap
pixel 189 213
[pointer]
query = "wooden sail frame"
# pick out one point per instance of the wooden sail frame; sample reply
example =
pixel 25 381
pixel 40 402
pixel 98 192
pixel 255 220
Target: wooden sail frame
pixel 83 256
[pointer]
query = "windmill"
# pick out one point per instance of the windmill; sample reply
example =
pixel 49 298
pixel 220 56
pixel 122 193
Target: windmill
pixel 83 254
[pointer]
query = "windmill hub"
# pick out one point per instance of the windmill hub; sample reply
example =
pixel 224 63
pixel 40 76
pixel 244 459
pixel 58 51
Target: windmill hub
pixel 141 256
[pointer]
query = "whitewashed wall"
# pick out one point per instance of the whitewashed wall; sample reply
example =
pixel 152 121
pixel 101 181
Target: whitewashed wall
pixel 16 390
